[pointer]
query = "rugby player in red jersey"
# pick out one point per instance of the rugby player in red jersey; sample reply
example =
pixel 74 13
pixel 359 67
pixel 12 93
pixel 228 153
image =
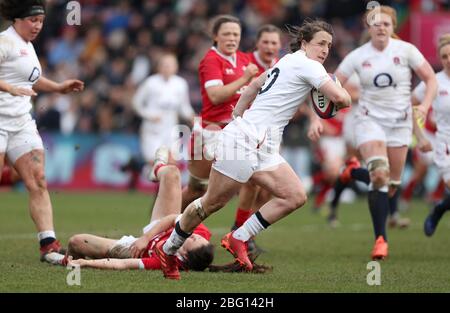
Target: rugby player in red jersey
pixel 223 72
pixel 139 253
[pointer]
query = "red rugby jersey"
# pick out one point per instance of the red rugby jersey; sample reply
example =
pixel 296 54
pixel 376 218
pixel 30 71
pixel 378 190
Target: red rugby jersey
pixel 254 58
pixel 216 69
pixel 151 261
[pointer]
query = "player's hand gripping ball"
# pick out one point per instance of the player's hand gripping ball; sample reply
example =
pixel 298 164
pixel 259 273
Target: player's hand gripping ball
pixel 322 105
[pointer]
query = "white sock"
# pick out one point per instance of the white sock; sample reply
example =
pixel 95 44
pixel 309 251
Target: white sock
pixel 382 189
pixel 174 242
pixel 250 228
pixel 46 234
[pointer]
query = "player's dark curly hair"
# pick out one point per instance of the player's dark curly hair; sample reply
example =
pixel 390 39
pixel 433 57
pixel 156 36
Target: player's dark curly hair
pixel 199 259
pixel 307 31
pixel 12 9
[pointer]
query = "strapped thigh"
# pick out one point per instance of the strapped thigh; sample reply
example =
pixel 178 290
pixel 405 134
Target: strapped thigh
pixel 199 184
pixel 377 162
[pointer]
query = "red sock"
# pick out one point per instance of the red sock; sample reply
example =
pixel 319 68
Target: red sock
pixel 438 193
pixel 6 177
pixel 241 216
pixel 409 190
pixel 318 178
pixel 158 167
pixel 320 198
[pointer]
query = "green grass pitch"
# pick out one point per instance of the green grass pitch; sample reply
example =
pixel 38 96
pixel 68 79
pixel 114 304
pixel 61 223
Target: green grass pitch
pixel 306 254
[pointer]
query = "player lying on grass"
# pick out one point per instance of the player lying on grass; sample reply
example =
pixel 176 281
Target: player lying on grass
pixel 137 253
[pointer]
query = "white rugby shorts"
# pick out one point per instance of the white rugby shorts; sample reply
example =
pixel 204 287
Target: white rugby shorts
pixel 17 143
pixel 441 156
pixel 241 151
pixel 348 128
pixel 367 128
pixel 427 157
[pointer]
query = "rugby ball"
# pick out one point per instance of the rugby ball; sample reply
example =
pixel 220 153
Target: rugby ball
pixel 321 104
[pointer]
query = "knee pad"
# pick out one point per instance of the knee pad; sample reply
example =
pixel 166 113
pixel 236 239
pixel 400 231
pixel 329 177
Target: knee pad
pixel 374 164
pixel 395 183
pixel 198 184
pixel 377 162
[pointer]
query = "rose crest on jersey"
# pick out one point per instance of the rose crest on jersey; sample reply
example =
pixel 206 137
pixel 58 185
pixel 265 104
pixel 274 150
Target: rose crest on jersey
pixel 23 52
pixel 366 64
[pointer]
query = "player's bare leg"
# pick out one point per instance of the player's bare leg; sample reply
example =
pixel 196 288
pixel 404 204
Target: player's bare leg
pixel 420 169
pixel 375 155
pixel 247 197
pixel 220 190
pixel 287 189
pixel 288 195
pixel 168 200
pixel 86 245
pixel 251 198
pixel 30 167
pixel 397 159
pixel 262 198
pixel 198 181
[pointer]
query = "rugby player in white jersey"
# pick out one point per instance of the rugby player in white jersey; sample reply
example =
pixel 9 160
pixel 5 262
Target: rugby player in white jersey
pixel 383 127
pixel 249 146
pixel 160 100
pixel 20 79
pixel 441 146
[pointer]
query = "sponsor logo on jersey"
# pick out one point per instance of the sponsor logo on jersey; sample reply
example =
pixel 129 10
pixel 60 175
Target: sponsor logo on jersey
pixel 383 80
pixel 35 74
pixel 366 64
pixel 23 52
pixel 229 71
pixel 443 92
pixel 396 60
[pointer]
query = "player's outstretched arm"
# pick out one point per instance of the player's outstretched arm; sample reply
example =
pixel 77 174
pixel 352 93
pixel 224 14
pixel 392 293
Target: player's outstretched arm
pixel 423 143
pixel 220 94
pixel 16 91
pixel 107 264
pixel 48 85
pixel 338 95
pixel 138 247
pixel 426 74
pixel 315 128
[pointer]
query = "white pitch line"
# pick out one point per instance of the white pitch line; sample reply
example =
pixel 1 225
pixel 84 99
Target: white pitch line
pixel 308 228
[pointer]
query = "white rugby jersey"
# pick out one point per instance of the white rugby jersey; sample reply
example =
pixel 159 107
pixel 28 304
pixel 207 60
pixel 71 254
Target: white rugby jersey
pixel 287 85
pixel 441 104
pixel 385 78
pixel 20 67
pixel 163 99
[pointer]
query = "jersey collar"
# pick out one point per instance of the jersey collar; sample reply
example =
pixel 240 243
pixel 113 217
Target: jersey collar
pixel 11 30
pixel 260 62
pixel 230 58
pixel 385 48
